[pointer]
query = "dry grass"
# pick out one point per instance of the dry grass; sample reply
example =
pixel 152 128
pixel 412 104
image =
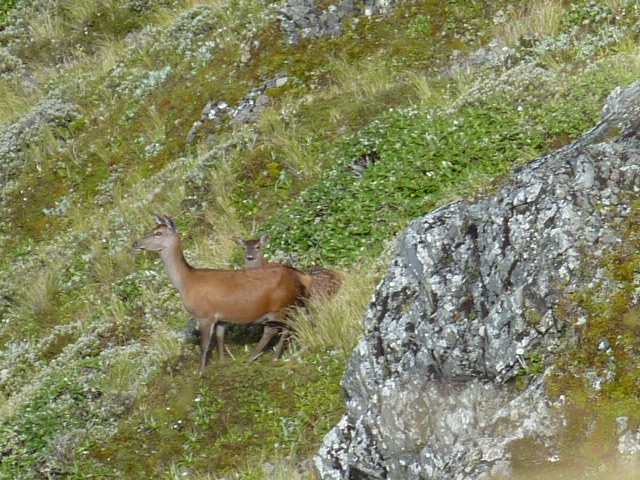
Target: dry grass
pixel 108 268
pixel 222 220
pixel 42 154
pixel 363 81
pixel 615 4
pixel 107 53
pixel 289 141
pixel 337 324
pixel 47 27
pixel 37 298
pixel 625 66
pixel 539 19
pixel 83 11
pixel 16 99
pixel 421 86
pixel 122 375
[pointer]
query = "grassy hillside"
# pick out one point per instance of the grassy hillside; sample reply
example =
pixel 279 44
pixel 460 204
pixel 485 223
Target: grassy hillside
pixel 372 129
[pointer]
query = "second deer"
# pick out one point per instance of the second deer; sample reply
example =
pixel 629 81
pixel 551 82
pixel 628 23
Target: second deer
pixel 325 283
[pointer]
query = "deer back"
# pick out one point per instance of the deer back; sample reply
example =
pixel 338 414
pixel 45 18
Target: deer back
pixel 325 283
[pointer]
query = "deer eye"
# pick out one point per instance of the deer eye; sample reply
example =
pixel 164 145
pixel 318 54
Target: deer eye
pixel 158 234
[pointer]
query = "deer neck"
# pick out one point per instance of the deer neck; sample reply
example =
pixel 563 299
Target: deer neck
pixel 176 266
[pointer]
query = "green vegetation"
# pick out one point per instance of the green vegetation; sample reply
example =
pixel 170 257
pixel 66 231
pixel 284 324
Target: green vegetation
pixel 481 135
pixel 97 358
pixel 5 7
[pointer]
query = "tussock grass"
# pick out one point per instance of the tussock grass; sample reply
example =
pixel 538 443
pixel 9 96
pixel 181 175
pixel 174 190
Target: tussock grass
pixel 363 81
pixel 615 4
pixel 47 27
pixel 284 469
pixel 539 19
pixel 424 93
pixel 15 100
pixel 222 221
pixel 215 249
pixel 37 297
pixel 81 12
pixel 167 346
pixel 336 324
pixel 624 67
pixel 290 142
pixel 134 201
pixel 155 128
pixel 41 154
pixel 122 374
pixel 108 268
pixel 108 51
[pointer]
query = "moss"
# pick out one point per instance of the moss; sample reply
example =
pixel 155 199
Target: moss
pixel 607 345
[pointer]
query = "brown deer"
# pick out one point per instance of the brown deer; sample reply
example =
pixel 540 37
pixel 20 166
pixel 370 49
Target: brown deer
pixel 325 283
pixel 254 255
pixel 261 295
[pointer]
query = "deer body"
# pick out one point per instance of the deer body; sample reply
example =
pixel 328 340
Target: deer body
pixel 246 298
pixel 261 295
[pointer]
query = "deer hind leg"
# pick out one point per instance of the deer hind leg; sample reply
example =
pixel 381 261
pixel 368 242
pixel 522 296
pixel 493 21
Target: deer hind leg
pixel 284 334
pixel 220 326
pixel 276 324
pixel 206 330
pixel 269 332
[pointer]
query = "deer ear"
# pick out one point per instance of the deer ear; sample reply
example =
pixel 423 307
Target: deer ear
pixel 264 239
pixel 171 224
pixel 159 220
pixel 239 241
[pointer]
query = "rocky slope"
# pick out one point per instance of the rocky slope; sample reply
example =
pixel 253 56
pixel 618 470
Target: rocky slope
pixel 470 301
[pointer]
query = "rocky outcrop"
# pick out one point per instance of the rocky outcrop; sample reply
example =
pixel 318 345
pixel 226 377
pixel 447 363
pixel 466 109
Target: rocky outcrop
pixel 302 19
pixel 469 302
pixel 248 111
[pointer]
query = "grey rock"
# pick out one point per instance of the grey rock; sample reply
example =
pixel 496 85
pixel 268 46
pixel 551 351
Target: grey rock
pixel 248 111
pixel 302 19
pixel 471 293
pixel 628 440
pixel 496 53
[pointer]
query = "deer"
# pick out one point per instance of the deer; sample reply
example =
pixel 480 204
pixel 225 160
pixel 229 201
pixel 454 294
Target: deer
pixel 325 283
pixel 264 295
pixel 254 255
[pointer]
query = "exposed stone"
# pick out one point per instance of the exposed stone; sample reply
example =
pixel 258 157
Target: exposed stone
pixel 302 19
pixel 494 53
pixel 472 293
pixel 248 111
pixel 628 440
